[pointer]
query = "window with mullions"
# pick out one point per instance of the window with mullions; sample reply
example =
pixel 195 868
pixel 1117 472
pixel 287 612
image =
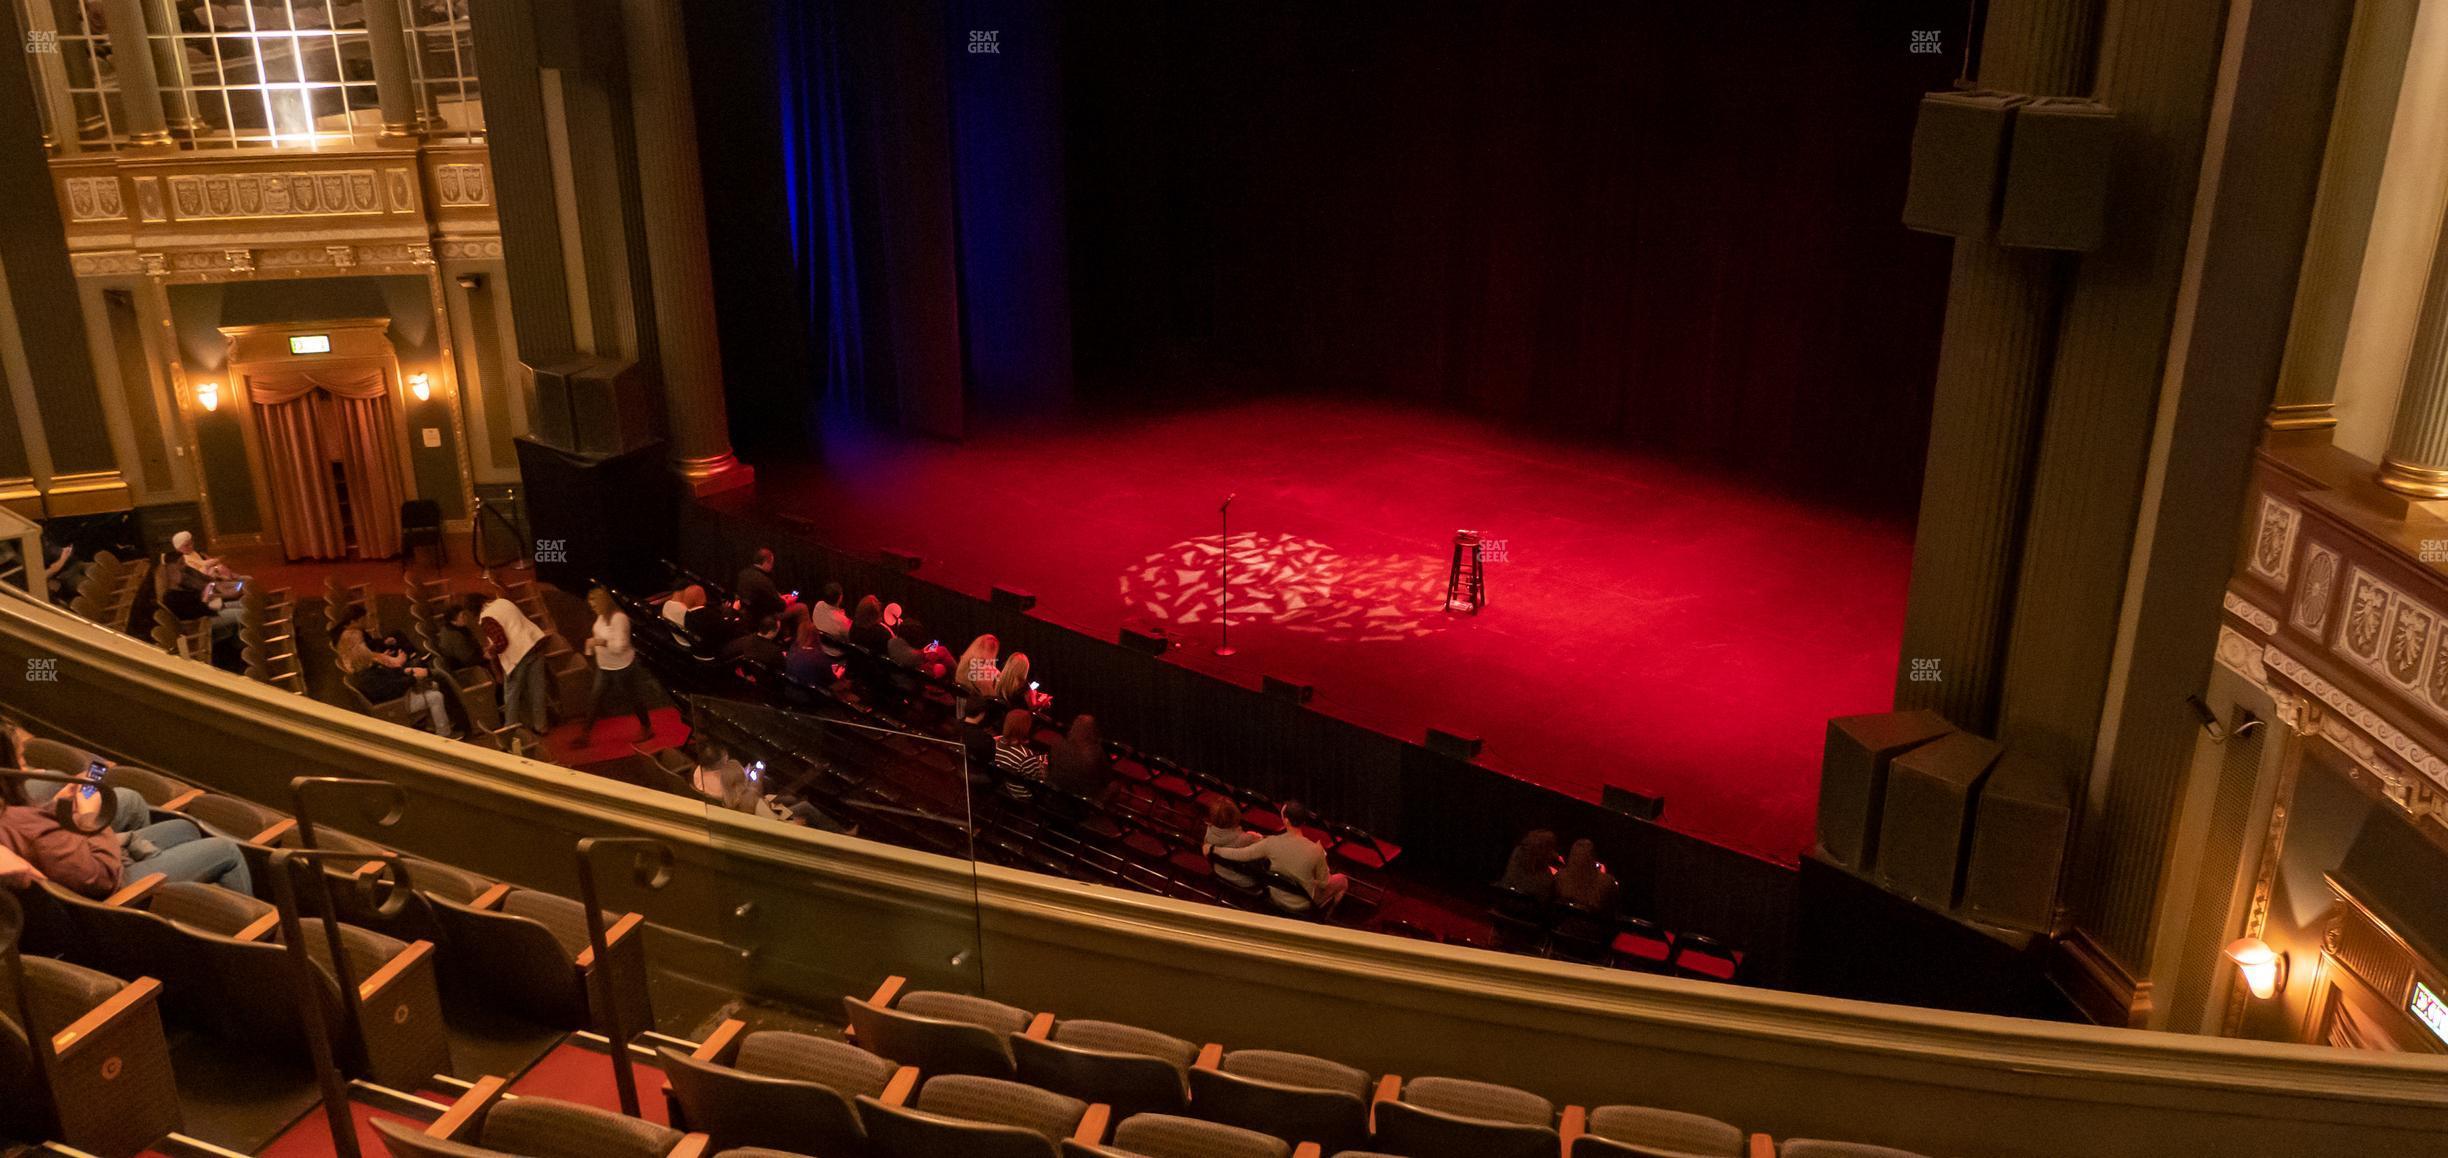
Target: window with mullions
pixel 258 73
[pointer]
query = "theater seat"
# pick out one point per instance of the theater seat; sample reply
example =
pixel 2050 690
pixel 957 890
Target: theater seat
pixel 1294 1097
pixel 107 1063
pixel 526 953
pixel 1816 1148
pixel 1134 1070
pixel 483 1124
pixel 1167 1136
pixel 1454 1118
pixel 939 1032
pixel 774 1088
pixel 966 1116
pixel 1643 1132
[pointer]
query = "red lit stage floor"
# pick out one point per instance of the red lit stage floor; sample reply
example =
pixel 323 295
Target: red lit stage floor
pixel 1646 625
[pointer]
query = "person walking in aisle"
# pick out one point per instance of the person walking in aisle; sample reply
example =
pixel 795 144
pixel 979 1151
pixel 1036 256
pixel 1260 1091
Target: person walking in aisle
pixel 616 666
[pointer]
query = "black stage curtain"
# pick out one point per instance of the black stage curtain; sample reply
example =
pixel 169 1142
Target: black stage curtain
pixel 1670 226
pixel 1455 820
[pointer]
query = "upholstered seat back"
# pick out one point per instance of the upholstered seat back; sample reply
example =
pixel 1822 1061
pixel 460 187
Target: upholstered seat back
pixel 1167 1136
pixel 894 1132
pixel 1483 1100
pixel 934 1045
pixel 1294 1113
pixel 1620 1130
pixel 978 1011
pixel 207 907
pixel 802 1057
pixel 1419 1132
pixel 1817 1148
pixel 1002 1103
pixel 551 1128
pixel 1131 1083
pixel 736 1108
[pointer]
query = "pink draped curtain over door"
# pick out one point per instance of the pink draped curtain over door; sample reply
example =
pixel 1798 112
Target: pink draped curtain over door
pixel 311 419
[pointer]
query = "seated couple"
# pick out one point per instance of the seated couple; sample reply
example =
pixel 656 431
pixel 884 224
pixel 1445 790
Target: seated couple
pixel 35 846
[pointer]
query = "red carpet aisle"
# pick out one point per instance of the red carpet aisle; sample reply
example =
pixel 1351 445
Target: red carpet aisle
pixel 613 736
pixel 1647 626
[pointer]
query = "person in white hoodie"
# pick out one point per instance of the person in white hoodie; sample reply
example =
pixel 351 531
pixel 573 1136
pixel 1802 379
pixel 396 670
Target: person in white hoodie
pixel 510 642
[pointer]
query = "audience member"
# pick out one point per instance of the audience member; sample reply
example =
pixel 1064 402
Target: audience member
pixel 1294 855
pixel 1585 882
pixel 755 591
pixel 96 864
pixel 187 603
pixel 616 666
pixel 979 667
pixel 1224 831
pixel 724 781
pixel 511 640
pixel 206 567
pixel 807 660
pixel 1014 687
pixel 130 811
pixel 676 608
pixel 828 615
pixel 977 742
pixel 762 646
pixel 1017 763
pixel 459 645
pixel 1531 869
pixel 382 677
pixel 1080 764
pixel 867 626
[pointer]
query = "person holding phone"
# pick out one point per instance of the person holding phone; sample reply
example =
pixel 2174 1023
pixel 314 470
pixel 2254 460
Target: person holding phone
pixel 96 864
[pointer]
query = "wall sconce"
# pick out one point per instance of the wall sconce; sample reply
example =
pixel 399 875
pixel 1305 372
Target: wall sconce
pixel 421 386
pixel 2265 969
pixel 208 396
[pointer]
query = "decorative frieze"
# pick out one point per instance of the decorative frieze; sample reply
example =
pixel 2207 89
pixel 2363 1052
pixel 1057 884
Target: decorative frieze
pixel 2273 547
pixel 303 193
pixel 93 199
pixel 462 185
pixel 2243 609
pixel 470 249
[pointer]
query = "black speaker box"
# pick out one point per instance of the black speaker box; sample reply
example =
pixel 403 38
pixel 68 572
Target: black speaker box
pixel 1013 598
pixel 609 518
pixel 592 406
pixel 1453 744
pixel 1153 641
pixel 1640 805
pixel 1853 778
pixel 1295 692
pixel 2018 845
pixel 900 560
pixel 1958 162
pixel 1928 816
pixel 2057 175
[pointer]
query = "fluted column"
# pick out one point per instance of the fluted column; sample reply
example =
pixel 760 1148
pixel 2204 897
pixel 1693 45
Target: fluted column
pixel 170 69
pixel 132 60
pixel 1993 367
pixel 2417 462
pixel 394 90
pixel 51 78
pixel 672 203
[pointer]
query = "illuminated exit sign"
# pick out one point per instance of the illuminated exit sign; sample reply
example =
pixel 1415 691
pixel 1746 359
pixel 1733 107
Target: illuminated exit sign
pixel 2428 1009
pixel 310 344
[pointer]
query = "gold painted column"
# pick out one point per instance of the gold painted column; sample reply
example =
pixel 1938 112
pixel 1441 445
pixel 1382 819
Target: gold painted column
pixel 2417 462
pixel 394 89
pixel 132 60
pixel 51 68
pixel 170 69
pixel 672 203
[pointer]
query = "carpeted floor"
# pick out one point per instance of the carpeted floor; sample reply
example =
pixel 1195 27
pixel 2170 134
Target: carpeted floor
pixel 1646 625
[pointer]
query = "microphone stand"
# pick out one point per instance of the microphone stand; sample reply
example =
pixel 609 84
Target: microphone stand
pixel 1224 571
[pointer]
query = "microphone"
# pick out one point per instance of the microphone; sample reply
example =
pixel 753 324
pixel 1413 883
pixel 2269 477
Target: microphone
pixel 1228 499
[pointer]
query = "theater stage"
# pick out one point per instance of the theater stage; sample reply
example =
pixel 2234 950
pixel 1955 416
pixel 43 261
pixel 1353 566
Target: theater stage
pixel 1647 625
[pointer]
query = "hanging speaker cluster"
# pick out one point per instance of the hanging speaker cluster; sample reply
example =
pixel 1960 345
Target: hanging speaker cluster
pixel 2023 172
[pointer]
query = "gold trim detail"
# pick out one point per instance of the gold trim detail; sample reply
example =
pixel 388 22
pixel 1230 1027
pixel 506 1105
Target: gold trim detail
pixel 2301 416
pixel 90 492
pixel 2407 479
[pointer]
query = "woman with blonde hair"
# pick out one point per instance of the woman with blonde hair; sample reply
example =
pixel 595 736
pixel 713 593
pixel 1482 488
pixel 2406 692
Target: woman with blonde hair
pixel 1014 687
pixel 616 665
pixel 979 668
pixel 1585 882
pixel 381 677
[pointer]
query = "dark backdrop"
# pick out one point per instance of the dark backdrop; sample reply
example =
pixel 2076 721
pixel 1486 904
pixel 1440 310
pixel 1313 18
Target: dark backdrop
pixel 1666 225
pixel 1672 225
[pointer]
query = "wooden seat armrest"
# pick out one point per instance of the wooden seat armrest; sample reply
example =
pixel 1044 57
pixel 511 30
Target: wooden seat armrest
pixel 1091 1130
pixel 1763 1146
pixel 1389 1089
pixel 182 800
pixel 691 1146
pixel 888 992
pixel 135 994
pixel 1040 1026
pixel 1307 1150
pixel 470 1106
pixel 393 968
pixel 1211 1056
pixel 259 928
pixel 613 936
pixel 490 900
pixel 1574 1124
pixel 279 831
pixel 722 1043
pixel 904 1083
pixel 139 890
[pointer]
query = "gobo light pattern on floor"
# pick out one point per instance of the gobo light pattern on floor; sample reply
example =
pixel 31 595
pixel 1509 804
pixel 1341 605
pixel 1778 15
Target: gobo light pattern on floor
pixel 1293 582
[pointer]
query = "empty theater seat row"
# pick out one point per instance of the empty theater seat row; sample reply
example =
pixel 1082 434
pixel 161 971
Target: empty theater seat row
pixel 1021 1084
